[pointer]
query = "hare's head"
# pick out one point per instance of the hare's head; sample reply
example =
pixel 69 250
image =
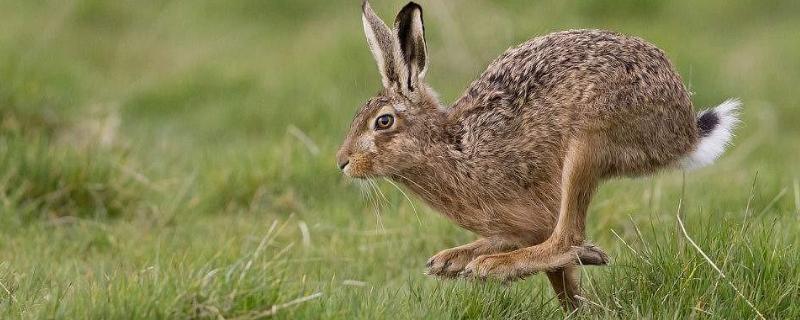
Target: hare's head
pixel 390 130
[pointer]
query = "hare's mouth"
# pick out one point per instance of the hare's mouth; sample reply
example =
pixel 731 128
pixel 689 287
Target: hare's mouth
pixel 359 173
pixel 347 170
pixel 351 171
pixel 358 167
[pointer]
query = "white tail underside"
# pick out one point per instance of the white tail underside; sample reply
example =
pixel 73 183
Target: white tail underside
pixel 715 143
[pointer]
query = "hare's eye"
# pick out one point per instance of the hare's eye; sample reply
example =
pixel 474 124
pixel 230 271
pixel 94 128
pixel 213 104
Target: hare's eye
pixel 384 122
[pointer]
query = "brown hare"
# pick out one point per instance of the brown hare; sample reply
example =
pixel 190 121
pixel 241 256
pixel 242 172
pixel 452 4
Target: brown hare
pixel 517 158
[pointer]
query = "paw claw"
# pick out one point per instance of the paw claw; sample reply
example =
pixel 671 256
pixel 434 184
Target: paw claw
pixel 448 263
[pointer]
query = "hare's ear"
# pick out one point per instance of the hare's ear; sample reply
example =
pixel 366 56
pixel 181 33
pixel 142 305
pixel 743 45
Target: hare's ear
pixel 411 35
pixel 384 46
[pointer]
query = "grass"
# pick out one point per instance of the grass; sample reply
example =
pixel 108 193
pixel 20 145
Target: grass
pixel 175 160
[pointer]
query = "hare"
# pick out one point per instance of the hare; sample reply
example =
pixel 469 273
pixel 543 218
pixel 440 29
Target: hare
pixel 517 158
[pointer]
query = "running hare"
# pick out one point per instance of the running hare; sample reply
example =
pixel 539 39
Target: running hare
pixel 517 158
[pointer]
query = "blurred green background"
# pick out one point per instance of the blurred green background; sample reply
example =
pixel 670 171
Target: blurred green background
pixel 146 149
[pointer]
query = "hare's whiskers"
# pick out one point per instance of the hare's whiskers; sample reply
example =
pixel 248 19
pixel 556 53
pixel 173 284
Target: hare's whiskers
pixel 380 192
pixel 376 207
pixel 430 194
pixel 407 199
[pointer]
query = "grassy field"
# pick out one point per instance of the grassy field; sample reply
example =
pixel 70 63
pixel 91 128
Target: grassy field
pixel 176 160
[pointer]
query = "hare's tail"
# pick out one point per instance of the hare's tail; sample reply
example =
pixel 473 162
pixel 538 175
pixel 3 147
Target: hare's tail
pixel 716 130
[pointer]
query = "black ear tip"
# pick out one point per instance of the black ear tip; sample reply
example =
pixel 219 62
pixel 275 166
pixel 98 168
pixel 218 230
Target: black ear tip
pixel 407 14
pixel 414 5
pixel 364 5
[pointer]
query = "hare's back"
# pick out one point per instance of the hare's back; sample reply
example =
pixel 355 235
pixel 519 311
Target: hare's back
pixel 577 69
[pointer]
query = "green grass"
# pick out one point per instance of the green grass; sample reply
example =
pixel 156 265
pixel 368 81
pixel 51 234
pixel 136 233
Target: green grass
pixel 153 165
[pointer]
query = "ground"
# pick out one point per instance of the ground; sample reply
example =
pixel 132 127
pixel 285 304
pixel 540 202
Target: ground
pixel 176 160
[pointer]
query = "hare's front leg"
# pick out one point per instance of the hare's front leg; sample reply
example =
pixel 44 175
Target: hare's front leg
pixel 449 263
pixel 565 248
pixel 521 263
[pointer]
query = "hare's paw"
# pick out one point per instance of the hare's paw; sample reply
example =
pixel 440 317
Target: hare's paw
pixel 524 262
pixel 590 255
pixel 505 267
pixel 448 263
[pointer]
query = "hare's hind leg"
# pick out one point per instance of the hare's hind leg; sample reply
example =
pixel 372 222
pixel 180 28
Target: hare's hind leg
pixel 448 263
pixel 582 170
pixel 565 283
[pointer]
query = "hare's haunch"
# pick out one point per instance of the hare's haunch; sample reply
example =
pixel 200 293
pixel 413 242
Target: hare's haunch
pixel 517 158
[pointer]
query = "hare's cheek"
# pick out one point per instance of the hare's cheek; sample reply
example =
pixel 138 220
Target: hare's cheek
pixel 367 144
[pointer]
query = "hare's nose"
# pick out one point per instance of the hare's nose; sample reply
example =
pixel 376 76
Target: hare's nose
pixel 343 164
pixel 342 158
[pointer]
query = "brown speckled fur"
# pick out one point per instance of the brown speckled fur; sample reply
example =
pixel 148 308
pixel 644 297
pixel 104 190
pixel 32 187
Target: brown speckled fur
pixel 518 156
